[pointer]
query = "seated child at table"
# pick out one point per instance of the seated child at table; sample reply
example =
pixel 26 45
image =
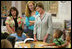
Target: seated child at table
pixel 12 40
pixel 6 44
pixel 57 38
pixel 20 36
pixel 4 35
pixel 67 43
pixel 68 40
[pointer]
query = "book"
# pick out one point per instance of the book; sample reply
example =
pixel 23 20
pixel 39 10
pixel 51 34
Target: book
pixel 28 39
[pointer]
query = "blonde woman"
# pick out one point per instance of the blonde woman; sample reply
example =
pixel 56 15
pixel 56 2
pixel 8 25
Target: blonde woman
pixel 30 19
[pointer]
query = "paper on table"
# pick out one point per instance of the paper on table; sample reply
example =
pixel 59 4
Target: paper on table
pixel 40 45
pixel 48 46
pixel 18 46
pixel 25 47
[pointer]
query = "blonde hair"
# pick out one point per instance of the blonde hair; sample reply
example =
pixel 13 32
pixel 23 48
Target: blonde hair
pixel 6 44
pixel 27 10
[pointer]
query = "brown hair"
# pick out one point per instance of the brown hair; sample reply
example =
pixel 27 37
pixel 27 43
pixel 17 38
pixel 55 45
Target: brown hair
pixel 14 8
pixel 39 4
pixel 59 32
pixel 27 10
pixel 5 43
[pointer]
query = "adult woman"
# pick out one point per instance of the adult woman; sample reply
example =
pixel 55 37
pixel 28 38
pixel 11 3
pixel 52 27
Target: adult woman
pixel 13 21
pixel 43 24
pixel 30 19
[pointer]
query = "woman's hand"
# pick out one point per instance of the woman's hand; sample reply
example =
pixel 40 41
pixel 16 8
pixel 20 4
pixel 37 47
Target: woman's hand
pixel 9 29
pixel 35 39
pixel 32 22
pixel 45 38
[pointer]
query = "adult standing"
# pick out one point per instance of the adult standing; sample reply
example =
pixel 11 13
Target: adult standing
pixel 30 18
pixel 13 21
pixel 43 25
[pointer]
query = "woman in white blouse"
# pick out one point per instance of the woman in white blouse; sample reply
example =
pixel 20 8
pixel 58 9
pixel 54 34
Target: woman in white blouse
pixel 43 25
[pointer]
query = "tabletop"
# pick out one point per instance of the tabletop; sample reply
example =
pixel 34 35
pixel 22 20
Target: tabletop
pixel 37 44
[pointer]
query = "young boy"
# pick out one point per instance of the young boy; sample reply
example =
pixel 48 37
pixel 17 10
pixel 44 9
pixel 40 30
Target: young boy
pixel 57 38
pixel 20 36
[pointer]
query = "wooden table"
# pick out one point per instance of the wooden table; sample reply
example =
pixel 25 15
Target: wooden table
pixel 27 45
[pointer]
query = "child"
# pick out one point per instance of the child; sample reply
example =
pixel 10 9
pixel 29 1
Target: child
pixel 67 43
pixel 12 40
pixel 6 44
pixel 4 35
pixel 57 38
pixel 20 36
pixel 68 39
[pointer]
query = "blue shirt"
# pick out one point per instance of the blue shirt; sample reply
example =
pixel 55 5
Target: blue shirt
pixel 18 38
pixel 31 18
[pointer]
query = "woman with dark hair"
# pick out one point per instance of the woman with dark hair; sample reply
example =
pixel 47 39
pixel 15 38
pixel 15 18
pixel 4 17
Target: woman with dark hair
pixel 13 21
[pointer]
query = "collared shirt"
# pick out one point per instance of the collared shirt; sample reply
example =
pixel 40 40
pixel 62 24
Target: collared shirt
pixel 11 22
pixel 44 26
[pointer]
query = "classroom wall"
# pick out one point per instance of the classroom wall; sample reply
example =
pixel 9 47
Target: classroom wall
pixel 64 13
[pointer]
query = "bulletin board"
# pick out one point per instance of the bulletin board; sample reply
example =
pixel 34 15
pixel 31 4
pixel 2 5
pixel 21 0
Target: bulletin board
pixel 5 7
pixel 23 6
